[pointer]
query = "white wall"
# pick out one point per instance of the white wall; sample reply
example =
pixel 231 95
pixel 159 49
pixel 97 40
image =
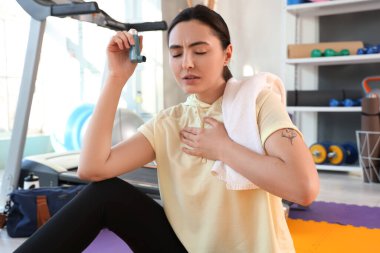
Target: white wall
pixel 255 28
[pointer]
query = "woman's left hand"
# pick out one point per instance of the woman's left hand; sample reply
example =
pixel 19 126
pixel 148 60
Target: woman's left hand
pixel 208 143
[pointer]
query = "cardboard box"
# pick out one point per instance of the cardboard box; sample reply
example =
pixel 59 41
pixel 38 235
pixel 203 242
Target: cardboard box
pixel 304 50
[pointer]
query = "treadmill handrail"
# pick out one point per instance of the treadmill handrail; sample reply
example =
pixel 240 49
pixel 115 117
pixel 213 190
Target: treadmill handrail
pixel 64 10
pixel 84 11
pixel 41 9
pixel 102 19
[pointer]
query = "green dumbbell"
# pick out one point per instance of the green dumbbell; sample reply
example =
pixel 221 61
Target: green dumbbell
pixel 330 52
pixel 344 52
pixel 316 53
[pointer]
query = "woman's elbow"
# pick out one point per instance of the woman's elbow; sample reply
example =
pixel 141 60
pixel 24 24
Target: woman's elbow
pixel 309 192
pixel 88 175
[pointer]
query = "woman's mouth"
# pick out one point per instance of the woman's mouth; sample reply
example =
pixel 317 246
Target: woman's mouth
pixel 190 77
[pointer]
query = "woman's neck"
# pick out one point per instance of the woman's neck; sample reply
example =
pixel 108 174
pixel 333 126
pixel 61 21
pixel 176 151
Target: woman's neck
pixel 210 96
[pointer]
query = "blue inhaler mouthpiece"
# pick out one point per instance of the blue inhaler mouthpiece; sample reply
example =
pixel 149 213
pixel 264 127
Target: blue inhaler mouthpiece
pixel 134 51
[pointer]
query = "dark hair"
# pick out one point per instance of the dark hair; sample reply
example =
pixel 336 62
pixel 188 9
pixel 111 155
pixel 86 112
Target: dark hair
pixel 210 18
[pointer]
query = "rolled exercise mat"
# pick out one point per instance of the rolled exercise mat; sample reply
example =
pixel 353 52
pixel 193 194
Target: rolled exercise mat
pixel 370 122
pixel 291 98
pixel 318 97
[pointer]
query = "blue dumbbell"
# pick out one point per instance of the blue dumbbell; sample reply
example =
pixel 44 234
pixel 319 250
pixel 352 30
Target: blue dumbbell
pixel 372 50
pixel 351 152
pixel 361 51
pixel 351 102
pixel 346 102
pixel 335 102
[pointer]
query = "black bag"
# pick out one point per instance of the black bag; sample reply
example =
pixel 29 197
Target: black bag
pixel 30 209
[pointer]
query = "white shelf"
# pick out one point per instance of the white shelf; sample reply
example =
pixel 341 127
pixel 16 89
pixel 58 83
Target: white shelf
pixel 304 21
pixel 339 168
pixel 323 109
pixel 336 60
pixel 333 7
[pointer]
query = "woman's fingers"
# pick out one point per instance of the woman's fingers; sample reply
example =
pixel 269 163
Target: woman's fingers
pixel 211 121
pixel 141 42
pixel 192 152
pixel 128 38
pixel 191 130
pixel 123 39
pixel 116 39
pixel 187 137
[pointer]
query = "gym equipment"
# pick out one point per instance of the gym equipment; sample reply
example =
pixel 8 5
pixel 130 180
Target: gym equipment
pixel 346 102
pixel 344 52
pixel 369 159
pixel 72 135
pixel 39 10
pixel 344 97
pixel 83 11
pixel 125 125
pixel 316 53
pixel 291 2
pixel 369 139
pixel 329 52
pixel 367 89
pixel 368 50
pixel 319 152
pixel 334 154
pixel 55 169
pixel 361 51
pixel 372 50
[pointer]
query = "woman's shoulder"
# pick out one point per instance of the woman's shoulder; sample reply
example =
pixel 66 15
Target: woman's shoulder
pixel 172 112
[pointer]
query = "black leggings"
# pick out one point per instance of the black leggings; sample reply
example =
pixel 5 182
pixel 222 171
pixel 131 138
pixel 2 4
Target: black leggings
pixel 112 204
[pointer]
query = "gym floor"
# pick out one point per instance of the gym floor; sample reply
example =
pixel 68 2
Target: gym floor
pixel 339 187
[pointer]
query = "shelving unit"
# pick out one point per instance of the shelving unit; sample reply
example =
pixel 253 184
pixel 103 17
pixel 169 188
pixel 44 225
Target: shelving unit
pixel 323 109
pixel 333 7
pixel 339 168
pixel 337 60
pixel 302 26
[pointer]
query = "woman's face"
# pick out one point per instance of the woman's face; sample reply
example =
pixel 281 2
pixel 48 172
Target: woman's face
pixel 197 60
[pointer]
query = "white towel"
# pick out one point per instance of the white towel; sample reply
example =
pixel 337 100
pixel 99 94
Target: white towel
pixel 239 116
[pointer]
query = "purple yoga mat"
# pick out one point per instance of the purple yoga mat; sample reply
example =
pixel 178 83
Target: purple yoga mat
pixel 340 214
pixel 107 241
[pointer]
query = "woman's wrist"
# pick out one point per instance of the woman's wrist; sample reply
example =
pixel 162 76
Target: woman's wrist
pixel 225 150
pixel 116 80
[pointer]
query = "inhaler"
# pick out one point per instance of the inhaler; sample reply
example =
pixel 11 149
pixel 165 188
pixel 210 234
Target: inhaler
pixel 134 51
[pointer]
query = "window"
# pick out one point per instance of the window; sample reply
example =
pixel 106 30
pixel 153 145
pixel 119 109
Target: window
pixel 72 65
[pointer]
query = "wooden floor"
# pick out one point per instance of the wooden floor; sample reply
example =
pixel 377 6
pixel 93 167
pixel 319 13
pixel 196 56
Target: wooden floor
pixel 335 187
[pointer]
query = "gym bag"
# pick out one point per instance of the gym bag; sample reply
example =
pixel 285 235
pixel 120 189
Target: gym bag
pixel 30 209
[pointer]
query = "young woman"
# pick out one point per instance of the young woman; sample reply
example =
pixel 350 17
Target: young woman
pixel 199 214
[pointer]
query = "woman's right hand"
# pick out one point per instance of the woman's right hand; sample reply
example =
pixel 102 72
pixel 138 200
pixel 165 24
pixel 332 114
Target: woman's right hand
pixel 119 65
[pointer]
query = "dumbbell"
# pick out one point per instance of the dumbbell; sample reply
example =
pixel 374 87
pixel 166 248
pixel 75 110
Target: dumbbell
pixel 334 154
pixel 346 102
pixel 368 50
pixel 329 52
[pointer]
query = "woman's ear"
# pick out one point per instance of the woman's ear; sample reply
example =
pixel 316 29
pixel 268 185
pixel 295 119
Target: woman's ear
pixel 228 54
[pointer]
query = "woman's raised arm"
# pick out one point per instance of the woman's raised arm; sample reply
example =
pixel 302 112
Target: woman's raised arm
pixel 98 159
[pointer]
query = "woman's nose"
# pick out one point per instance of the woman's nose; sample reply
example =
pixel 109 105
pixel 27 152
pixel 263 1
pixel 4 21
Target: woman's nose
pixel 187 62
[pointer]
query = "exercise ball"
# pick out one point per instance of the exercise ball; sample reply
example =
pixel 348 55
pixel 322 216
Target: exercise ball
pixel 125 125
pixel 70 137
